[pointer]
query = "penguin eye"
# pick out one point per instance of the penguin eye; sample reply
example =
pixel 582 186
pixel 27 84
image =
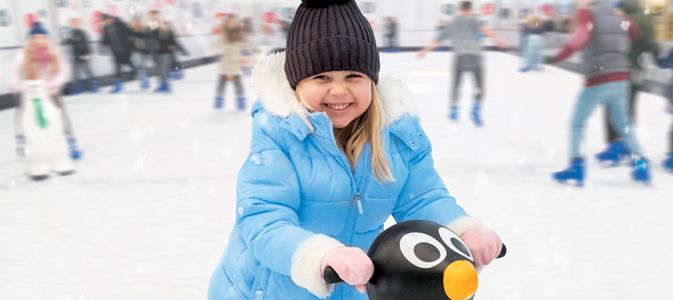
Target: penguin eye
pixel 454 242
pixel 422 250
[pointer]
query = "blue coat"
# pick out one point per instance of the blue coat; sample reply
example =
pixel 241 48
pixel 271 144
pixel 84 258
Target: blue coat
pixel 296 183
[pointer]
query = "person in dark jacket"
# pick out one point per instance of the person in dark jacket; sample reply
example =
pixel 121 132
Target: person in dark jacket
pixel 645 43
pixel 78 41
pixel 161 43
pixel 139 39
pixel 117 36
pixel 176 68
pixel 603 37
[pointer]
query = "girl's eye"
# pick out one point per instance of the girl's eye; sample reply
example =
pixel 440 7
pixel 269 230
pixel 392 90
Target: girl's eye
pixel 354 75
pixel 321 77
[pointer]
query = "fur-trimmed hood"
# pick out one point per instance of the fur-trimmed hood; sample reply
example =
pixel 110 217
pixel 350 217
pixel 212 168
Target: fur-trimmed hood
pixel 278 98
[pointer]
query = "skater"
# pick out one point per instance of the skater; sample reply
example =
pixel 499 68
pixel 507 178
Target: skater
pixel 667 63
pixel 464 33
pixel 534 43
pixel 390 30
pixel 335 151
pixel 80 51
pixel 602 35
pixel 161 42
pixel 40 72
pixel 231 45
pixel 139 38
pixel 176 67
pixel 117 36
pixel 645 43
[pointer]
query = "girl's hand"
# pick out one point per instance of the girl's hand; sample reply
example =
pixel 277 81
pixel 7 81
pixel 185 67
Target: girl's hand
pixel 352 264
pixel 483 243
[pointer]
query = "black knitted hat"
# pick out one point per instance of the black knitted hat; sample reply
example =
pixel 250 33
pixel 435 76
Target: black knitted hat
pixel 330 35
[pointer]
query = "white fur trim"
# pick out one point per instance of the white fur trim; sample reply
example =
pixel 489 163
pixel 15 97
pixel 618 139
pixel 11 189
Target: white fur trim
pixel 465 223
pixel 396 99
pixel 306 263
pixel 274 91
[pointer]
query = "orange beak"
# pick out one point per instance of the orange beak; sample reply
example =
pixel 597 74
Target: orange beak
pixel 460 280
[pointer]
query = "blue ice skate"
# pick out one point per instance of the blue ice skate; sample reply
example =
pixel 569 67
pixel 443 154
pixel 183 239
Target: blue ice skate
pixel 575 172
pixel 668 163
pixel 75 153
pixel 476 114
pixel 164 87
pixel 641 170
pixel 20 146
pixel 453 112
pixel 613 155
pixel 176 74
pixel 75 88
pixel 116 87
pixel 240 103
pixel 219 102
pixel 93 86
pixel 144 79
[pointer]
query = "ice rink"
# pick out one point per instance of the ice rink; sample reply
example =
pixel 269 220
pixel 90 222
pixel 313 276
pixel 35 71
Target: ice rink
pixel 148 213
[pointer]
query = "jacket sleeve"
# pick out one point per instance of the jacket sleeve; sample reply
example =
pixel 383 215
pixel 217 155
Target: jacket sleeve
pixel 424 195
pixel 268 198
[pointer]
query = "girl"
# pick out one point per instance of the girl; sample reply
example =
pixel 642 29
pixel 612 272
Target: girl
pixel 40 60
pixel 231 45
pixel 335 151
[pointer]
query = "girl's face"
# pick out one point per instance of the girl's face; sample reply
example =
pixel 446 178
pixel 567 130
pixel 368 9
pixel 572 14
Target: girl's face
pixel 343 95
pixel 39 40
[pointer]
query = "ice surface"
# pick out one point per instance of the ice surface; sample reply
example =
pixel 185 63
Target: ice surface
pixel 149 211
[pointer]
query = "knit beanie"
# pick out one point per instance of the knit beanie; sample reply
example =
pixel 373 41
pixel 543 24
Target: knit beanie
pixel 37 29
pixel 330 35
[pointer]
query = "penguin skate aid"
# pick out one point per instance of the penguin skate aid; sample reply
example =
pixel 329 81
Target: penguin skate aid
pixel 419 260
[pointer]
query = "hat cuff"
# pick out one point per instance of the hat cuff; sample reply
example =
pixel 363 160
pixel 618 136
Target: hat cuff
pixel 334 53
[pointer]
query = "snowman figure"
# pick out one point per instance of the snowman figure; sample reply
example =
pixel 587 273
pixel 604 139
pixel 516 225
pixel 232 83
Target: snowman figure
pixel 46 145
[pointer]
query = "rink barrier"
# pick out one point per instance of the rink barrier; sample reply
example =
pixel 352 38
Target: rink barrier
pixel 8 100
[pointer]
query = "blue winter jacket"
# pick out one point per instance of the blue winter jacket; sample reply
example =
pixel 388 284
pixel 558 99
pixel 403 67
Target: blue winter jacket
pixel 296 183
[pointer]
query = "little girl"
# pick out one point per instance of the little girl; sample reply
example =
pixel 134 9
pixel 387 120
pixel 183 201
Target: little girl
pixel 40 60
pixel 335 151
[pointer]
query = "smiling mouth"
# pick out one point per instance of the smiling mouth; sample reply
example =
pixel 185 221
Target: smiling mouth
pixel 342 106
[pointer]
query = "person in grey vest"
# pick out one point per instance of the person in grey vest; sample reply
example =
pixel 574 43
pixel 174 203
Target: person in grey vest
pixel 603 37
pixel 464 33
pixel 644 44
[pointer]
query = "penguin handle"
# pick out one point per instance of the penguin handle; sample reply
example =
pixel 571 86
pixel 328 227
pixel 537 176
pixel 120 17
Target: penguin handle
pixel 331 276
pixel 503 251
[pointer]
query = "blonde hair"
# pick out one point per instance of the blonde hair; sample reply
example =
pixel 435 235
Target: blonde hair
pixel 365 128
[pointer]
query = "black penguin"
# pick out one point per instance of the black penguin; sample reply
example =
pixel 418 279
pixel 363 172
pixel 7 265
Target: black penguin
pixel 421 260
